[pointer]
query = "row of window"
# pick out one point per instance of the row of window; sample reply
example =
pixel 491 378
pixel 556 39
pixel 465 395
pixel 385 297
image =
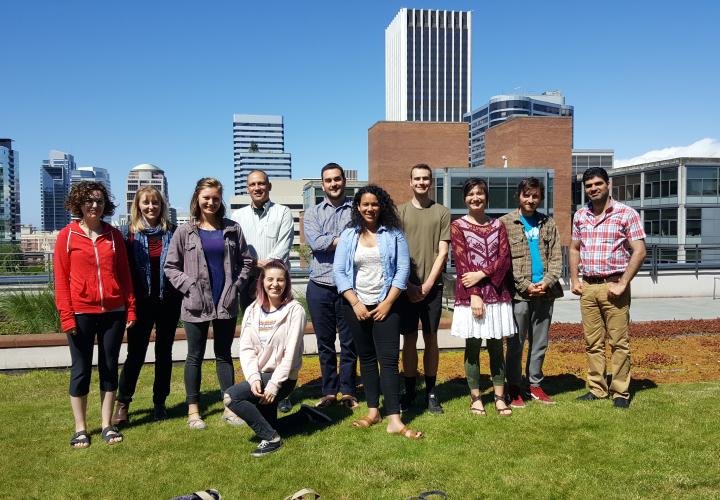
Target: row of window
pixel 663 183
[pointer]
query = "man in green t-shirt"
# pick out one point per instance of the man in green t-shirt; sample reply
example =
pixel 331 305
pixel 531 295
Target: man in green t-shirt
pixel 427 229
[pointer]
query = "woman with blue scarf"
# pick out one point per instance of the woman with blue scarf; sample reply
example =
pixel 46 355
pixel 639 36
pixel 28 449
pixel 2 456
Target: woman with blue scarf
pixel 158 304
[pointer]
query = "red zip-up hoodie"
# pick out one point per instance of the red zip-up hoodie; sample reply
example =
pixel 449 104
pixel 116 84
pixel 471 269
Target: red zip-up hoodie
pixel 91 277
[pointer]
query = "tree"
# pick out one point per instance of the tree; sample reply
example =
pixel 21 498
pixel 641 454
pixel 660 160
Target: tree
pixel 253 147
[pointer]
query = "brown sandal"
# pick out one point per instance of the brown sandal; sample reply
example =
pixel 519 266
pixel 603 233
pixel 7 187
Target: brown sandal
pixel 502 412
pixel 474 409
pixel 365 422
pixel 408 433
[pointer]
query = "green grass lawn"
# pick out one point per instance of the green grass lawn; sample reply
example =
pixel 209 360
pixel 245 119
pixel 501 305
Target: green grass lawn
pixel 667 444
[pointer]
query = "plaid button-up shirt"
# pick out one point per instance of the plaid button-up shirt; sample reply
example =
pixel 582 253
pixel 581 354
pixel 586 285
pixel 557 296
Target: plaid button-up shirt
pixel 605 242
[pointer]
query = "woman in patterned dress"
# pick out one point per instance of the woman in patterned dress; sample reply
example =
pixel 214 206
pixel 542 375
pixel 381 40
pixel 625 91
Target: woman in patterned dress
pixel 483 301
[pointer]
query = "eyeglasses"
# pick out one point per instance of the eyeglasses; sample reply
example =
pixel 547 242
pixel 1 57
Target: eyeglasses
pixel 90 201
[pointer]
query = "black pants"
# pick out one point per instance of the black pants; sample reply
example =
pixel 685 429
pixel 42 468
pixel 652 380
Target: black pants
pixel 109 329
pixel 163 314
pixel 197 334
pixel 329 321
pixel 263 418
pixel 378 342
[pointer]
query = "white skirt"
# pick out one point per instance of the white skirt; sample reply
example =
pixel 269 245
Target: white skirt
pixel 497 322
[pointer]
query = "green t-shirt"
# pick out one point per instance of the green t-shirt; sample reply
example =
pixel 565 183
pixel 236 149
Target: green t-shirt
pixel 424 229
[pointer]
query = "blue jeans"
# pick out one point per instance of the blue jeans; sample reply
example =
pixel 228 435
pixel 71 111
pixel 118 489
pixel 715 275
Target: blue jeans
pixel 326 311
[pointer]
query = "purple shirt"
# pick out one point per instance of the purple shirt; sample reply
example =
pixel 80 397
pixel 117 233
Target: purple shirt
pixel 213 246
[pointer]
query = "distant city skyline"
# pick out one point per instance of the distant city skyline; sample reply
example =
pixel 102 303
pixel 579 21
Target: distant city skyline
pixel 136 88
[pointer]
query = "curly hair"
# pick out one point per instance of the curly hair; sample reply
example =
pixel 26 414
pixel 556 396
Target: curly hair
pixel 388 215
pixel 206 182
pixel 81 192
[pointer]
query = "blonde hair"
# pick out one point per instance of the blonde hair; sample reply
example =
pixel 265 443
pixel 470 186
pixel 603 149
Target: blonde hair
pixel 137 221
pixel 204 183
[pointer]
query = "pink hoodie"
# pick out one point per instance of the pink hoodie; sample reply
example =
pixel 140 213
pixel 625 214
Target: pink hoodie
pixel 282 356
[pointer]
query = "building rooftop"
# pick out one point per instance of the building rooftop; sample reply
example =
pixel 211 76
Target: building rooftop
pixel 147 166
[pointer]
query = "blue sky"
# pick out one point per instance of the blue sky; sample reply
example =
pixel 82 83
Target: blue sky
pixel 122 83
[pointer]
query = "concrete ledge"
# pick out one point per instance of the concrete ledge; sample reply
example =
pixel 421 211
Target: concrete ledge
pixel 60 339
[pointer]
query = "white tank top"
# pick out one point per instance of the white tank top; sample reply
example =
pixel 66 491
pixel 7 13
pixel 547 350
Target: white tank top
pixel 368 274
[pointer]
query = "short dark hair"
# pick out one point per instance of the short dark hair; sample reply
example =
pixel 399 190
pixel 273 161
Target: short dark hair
pixel 472 182
pixel 530 183
pixel 421 166
pixel 595 172
pixel 332 166
pixel 80 192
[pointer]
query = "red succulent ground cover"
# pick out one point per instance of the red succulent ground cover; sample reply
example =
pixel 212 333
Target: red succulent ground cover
pixel 662 352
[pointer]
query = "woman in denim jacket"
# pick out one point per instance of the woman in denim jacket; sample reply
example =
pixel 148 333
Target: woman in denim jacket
pixel 371 268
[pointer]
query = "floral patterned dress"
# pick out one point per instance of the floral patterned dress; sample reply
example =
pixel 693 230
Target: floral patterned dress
pixel 482 247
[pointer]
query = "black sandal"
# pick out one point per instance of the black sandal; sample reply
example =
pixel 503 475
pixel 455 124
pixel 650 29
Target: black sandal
pixel 111 432
pixel 80 437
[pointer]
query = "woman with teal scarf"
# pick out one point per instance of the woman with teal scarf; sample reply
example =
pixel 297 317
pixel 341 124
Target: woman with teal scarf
pixel 158 304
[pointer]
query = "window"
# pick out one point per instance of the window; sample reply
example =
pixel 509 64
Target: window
pixel 693 222
pixel 661 183
pixel 703 181
pixel 661 222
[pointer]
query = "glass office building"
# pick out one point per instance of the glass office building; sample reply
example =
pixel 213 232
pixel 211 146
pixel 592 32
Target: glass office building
pixel 502 107
pixel 428 66
pixel 259 144
pixel 9 193
pixel 502 188
pixel 54 188
pixel 678 201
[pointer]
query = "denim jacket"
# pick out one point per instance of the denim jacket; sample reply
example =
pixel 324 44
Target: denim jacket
pixel 394 256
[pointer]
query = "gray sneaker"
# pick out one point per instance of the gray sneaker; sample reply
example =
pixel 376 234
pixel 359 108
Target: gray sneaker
pixel 433 405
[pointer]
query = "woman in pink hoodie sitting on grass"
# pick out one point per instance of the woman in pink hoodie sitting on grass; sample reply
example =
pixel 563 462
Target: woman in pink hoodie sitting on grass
pixel 271 348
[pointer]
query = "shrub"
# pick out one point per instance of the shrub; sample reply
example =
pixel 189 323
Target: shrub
pixel 29 312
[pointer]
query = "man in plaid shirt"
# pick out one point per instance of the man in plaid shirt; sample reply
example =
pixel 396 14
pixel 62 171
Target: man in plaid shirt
pixel 608 248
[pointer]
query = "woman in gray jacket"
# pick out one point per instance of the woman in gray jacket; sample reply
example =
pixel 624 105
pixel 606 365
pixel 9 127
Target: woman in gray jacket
pixel 208 263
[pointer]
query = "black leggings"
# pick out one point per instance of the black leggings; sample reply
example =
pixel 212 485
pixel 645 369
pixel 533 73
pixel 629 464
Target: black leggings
pixel 109 329
pixel 263 418
pixel 164 315
pixel 197 334
pixel 378 342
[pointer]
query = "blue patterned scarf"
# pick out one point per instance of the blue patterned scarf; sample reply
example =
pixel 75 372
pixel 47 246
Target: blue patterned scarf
pixel 142 253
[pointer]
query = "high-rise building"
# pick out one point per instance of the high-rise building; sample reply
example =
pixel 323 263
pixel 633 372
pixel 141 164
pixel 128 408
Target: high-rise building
pixel 259 144
pixel 9 192
pixel 427 66
pixel 95 174
pixel 54 188
pixel 145 174
pixel 502 107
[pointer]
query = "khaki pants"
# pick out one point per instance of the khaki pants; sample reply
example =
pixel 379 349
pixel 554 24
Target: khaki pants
pixel 603 317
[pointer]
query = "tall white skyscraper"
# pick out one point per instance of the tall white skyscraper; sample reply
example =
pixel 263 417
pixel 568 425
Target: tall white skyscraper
pixel 145 174
pixel 427 66
pixel 54 188
pixel 259 144
pixel 9 192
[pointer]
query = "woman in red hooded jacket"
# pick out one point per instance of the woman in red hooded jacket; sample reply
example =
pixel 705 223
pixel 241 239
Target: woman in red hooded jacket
pixel 94 296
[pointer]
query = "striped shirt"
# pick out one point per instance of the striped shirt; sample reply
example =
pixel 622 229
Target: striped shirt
pixel 322 224
pixel 268 232
pixel 605 242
